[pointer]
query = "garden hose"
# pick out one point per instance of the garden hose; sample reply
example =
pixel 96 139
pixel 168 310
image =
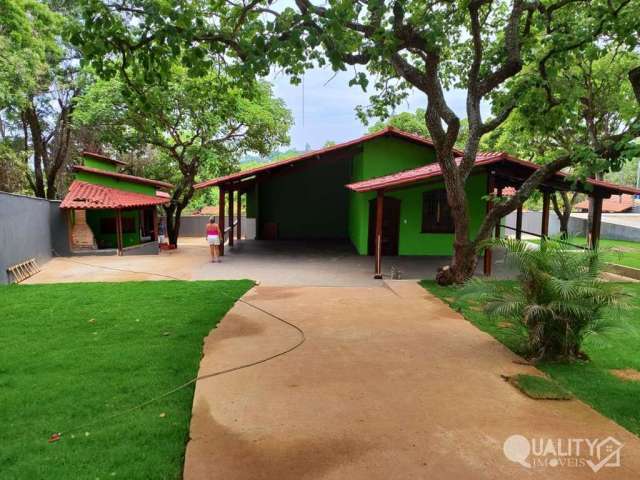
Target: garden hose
pixel 58 435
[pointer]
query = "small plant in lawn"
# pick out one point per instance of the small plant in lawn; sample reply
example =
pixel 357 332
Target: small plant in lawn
pixel 559 297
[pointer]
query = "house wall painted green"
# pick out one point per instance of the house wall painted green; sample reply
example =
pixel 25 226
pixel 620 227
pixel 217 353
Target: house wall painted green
pixel 412 241
pixel 99 164
pixel 313 202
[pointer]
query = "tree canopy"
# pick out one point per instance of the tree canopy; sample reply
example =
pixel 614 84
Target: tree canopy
pixel 201 125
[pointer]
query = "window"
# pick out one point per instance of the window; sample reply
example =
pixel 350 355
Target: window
pixel 436 215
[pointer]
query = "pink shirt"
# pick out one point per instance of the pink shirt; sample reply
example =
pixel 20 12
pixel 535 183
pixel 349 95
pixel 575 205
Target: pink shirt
pixel 212 229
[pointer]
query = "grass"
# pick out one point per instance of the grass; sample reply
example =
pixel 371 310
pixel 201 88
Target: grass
pixel 539 388
pixel 73 354
pixel 622 252
pixel 591 381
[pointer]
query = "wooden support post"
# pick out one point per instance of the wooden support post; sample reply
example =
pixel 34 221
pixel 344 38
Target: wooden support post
pixel 378 239
pixel 519 223
pixel 155 224
pixel 222 219
pixel 119 241
pixel 487 259
pixel 497 232
pixel 544 228
pixel 239 213
pixel 231 218
pixel 596 222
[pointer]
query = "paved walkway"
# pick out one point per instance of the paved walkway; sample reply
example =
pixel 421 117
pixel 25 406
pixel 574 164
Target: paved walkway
pixel 390 384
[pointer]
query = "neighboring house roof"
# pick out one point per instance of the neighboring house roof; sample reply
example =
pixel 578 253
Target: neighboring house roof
pixel 83 195
pixel 433 170
pixel 386 132
pixel 615 204
pixel 123 176
pixel 104 158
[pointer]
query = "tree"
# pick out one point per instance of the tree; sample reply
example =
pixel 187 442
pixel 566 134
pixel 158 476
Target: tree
pixel 39 79
pixel 405 121
pixel 199 126
pixel 496 51
pixel 598 109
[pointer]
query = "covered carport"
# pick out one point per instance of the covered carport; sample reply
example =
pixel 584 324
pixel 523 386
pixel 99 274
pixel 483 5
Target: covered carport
pixel 300 198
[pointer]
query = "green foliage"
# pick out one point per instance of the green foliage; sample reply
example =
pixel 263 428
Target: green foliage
pixel 405 121
pixel 596 123
pixel 13 170
pixel 559 298
pixel 29 45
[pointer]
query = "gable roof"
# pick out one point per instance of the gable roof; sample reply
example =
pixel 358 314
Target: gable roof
pixel 386 132
pixel 83 195
pixel 104 158
pixel 122 176
pixel 433 170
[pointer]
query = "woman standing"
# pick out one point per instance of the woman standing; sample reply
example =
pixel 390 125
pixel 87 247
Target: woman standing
pixel 214 236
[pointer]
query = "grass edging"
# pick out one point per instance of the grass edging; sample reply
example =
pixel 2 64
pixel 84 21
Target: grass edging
pixel 538 388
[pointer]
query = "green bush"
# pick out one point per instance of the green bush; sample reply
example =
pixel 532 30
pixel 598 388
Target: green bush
pixel 559 297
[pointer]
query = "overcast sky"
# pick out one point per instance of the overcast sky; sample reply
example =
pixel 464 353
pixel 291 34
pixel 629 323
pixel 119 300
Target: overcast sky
pixel 329 110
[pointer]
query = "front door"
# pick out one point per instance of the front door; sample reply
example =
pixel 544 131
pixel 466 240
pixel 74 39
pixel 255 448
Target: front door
pixel 390 226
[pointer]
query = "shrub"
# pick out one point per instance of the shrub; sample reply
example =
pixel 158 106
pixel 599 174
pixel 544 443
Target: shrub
pixel 559 296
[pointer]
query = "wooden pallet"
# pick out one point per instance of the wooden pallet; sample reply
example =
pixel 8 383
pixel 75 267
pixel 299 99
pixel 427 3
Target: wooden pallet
pixel 22 271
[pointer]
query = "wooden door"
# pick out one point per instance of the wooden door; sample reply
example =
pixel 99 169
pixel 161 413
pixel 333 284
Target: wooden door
pixel 390 226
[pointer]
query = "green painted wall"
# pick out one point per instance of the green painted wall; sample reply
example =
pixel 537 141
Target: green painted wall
pixel 389 155
pixel 99 164
pixel 108 240
pixel 308 203
pixel 115 183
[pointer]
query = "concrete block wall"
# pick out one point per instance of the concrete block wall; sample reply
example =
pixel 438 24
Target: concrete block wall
pixel 194 226
pixel 25 231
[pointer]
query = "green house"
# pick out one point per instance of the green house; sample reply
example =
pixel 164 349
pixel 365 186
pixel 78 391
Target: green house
pixel 112 212
pixel 382 192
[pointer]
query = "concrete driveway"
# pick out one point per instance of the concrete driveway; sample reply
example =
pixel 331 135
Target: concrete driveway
pixel 274 263
pixel 390 384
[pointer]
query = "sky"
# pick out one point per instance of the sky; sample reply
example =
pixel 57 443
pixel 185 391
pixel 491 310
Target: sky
pixel 329 108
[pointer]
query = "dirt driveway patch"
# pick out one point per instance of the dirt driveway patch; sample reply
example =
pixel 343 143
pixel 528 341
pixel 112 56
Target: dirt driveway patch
pixel 390 384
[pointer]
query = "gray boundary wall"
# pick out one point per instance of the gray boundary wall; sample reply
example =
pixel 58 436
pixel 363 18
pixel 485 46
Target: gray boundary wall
pixel 194 225
pixel 29 228
pixel 531 222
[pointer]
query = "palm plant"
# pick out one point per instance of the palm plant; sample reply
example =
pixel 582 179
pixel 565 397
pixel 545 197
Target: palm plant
pixel 559 297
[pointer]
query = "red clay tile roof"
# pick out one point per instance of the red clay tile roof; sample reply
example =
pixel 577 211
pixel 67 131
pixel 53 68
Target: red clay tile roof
pixel 123 176
pixel 432 170
pixel 615 204
pixel 85 195
pixel 388 131
pixel 104 158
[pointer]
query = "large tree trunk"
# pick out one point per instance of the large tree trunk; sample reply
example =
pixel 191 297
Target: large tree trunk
pixel 173 214
pixel 39 149
pixel 634 78
pixel 563 211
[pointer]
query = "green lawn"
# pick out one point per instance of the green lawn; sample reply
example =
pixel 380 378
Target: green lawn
pixel 621 252
pixel 77 353
pixel 590 381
